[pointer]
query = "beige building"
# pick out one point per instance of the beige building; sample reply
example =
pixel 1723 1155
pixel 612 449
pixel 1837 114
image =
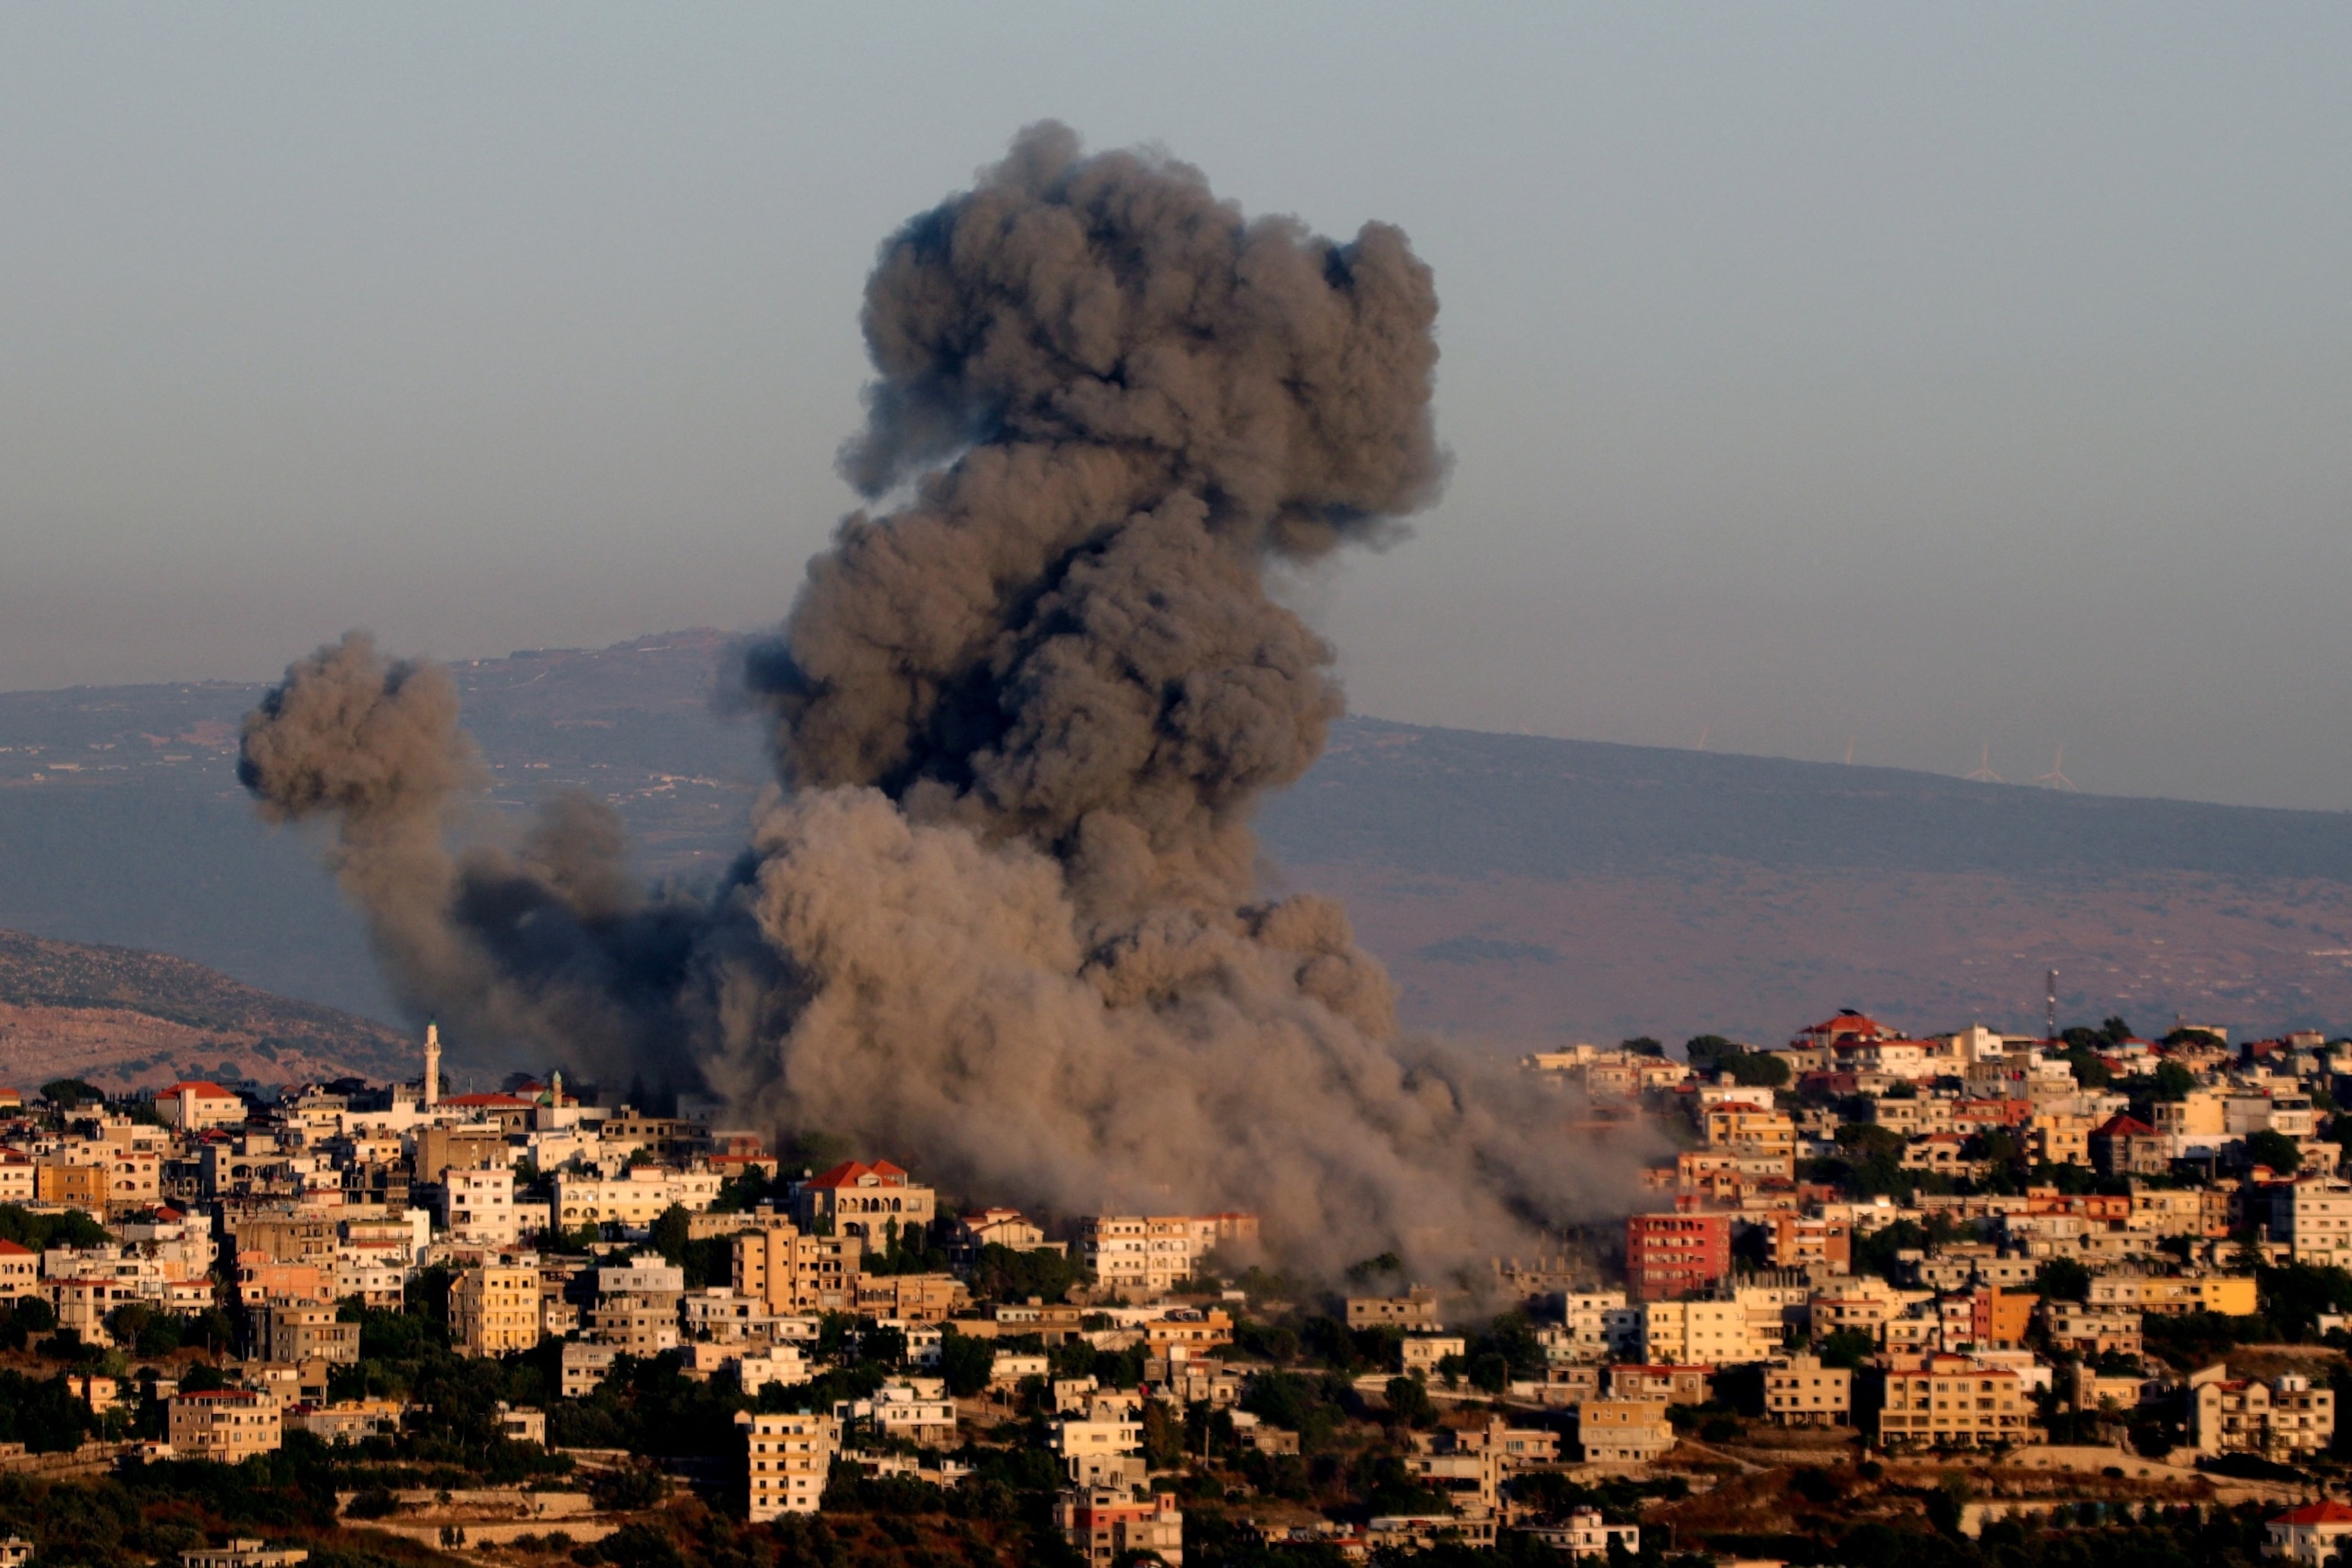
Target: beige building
pixel 2277 1419
pixel 495 1308
pixel 2177 1295
pixel 1623 1431
pixel 912 1297
pixel 634 1199
pixel 1703 1333
pixel 639 1325
pixel 1148 1255
pixel 874 1200
pixel 1414 1311
pixel 1798 1391
pixel 229 1424
pixel 303 1330
pixel 789 1272
pixel 788 1458
pixel 20 1270
pixel 477 1207
pixel 1950 1401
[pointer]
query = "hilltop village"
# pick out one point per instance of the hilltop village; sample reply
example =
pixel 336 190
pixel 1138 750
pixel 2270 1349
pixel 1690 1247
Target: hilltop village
pixel 1968 1298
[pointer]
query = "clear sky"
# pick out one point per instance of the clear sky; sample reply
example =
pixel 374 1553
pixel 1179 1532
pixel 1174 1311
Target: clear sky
pixel 1921 377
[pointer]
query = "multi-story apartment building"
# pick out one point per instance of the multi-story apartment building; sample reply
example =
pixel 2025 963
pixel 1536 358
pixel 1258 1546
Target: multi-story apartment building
pixel 2315 1218
pixel 1149 1254
pixel 303 1331
pixel 2177 1295
pixel 789 1272
pixel 1750 1129
pixel 1667 1255
pixel 1702 1334
pixel 226 1425
pixel 477 1206
pixel 639 1325
pixel 788 1458
pixel 1414 1311
pixel 2278 1419
pixel 2092 1331
pixel 1105 1525
pixel 1950 1401
pixel 634 1199
pixel 1798 1391
pixel 1623 1431
pixel 494 1309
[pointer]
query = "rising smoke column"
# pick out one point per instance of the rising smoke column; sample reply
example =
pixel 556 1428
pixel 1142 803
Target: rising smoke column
pixel 1001 917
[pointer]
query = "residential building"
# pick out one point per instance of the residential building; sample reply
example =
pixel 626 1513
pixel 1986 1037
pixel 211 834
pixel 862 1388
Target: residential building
pixel 912 1297
pixel 1108 1526
pixel 1623 1431
pixel 874 1202
pixel 479 1207
pixel 2124 1145
pixel 1148 1255
pixel 1588 1535
pixel 1420 1353
pixel 634 1199
pixel 1414 1311
pixel 788 1459
pixel 228 1425
pixel 194 1106
pixel 1951 1401
pixel 1798 1241
pixel 303 1330
pixel 245 1553
pixel 494 1309
pixel 1798 1391
pixel 1667 1255
pixel 789 1272
pixel 20 1270
pixel 2278 1419
pixel 2316 1533
pixel 584 1366
pixel 1702 1334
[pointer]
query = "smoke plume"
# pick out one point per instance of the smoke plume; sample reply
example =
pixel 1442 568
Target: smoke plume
pixel 1001 919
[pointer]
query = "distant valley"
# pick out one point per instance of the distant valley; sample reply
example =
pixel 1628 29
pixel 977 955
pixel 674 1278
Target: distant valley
pixel 1524 890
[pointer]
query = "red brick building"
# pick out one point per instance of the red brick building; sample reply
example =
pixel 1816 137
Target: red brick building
pixel 1668 1254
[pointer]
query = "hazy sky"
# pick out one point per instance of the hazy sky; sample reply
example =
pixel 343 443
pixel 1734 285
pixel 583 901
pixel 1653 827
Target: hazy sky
pixel 1926 376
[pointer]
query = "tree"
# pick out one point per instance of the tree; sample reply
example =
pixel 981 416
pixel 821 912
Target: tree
pixel 1759 1069
pixel 1409 1403
pixel 2193 1038
pixel 671 1232
pixel 965 1362
pixel 1642 1046
pixel 2275 1150
pixel 2063 1279
pixel 2171 1081
pixel 1709 1053
pixel 67 1093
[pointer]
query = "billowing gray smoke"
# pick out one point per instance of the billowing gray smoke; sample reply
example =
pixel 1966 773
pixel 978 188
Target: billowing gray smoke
pixel 1002 921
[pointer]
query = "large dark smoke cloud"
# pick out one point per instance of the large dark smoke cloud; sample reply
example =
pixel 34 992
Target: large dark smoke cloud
pixel 1002 917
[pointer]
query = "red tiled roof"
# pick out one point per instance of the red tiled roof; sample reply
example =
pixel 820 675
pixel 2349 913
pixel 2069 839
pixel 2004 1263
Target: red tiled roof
pixel 847 1172
pixel 2122 1126
pixel 486 1100
pixel 10 1249
pixel 198 1088
pixel 2325 1511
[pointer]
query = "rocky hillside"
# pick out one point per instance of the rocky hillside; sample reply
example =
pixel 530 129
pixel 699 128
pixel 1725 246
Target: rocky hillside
pixel 119 1018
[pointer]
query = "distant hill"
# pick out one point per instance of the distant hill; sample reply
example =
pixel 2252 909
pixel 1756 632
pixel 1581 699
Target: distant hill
pixel 121 1018
pixel 1521 889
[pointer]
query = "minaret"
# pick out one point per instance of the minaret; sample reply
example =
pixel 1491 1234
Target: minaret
pixel 557 1085
pixel 432 1066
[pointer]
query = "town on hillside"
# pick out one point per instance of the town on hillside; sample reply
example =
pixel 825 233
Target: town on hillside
pixel 1977 1297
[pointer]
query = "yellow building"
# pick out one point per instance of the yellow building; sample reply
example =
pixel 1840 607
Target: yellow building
pixel 495 1308
pixel 789 1272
